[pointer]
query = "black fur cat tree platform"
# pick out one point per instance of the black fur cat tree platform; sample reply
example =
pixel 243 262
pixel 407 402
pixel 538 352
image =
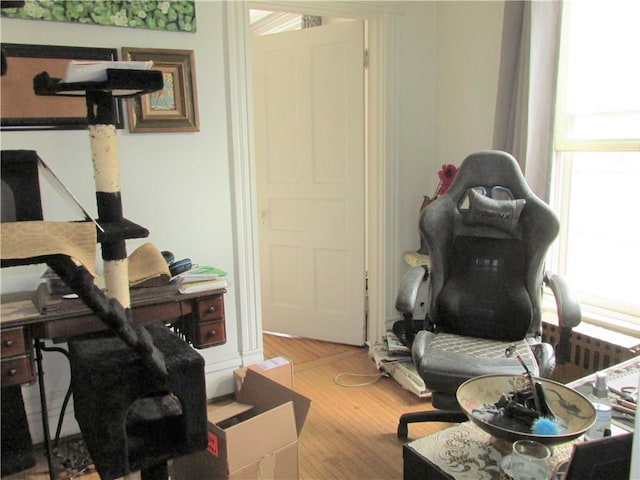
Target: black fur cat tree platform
pixel 139 392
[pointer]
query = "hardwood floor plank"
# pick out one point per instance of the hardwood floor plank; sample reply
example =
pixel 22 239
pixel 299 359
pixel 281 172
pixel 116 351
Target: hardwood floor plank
pixel 350 433
pixel 302 351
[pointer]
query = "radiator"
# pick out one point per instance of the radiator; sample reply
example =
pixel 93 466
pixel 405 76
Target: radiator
pixel 588 354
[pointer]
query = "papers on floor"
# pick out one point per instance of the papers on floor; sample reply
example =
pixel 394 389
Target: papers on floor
pixel 80 71
pixel 394 358
pixel 394 345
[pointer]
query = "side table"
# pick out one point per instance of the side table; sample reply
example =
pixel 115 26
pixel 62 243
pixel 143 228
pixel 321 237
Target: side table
pixel 465 452
pixel 461 452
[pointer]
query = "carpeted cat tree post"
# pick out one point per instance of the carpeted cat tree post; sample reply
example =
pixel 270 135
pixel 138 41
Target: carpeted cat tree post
pixel 139 396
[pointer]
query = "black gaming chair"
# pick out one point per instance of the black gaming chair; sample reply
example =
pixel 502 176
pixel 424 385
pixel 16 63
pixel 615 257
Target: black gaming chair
pixel 487 238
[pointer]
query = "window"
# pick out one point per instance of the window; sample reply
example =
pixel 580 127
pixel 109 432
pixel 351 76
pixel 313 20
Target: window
pixel 596 178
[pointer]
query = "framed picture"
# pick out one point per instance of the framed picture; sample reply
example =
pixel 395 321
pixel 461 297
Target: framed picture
pixel 175 107
pixel 22 109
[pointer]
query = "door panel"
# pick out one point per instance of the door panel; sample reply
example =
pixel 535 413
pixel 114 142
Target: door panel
pixel 309 132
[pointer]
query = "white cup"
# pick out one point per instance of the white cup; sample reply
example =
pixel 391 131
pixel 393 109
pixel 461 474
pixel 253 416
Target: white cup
pixel 530 461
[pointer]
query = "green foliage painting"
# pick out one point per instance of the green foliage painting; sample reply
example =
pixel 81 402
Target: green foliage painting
pixel 175 15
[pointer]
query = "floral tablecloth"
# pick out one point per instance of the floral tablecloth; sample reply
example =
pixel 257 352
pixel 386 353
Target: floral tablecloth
pixel 466 453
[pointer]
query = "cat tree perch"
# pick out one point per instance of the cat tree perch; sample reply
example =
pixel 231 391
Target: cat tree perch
pixel 113 308
pixel 122 433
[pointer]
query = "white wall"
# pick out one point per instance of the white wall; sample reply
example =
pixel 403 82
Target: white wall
pixel 450 55
pixel 417 118
pixel 175 184
pixel 179 186
pixel 469 36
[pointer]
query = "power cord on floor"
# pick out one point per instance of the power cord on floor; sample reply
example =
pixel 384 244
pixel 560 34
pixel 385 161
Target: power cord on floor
pixel 377 376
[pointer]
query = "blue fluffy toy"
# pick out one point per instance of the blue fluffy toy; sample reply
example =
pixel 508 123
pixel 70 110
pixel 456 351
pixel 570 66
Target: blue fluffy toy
pixel 545 426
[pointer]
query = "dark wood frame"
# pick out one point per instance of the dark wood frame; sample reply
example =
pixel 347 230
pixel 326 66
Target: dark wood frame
pixel 22 109
pixel 182 114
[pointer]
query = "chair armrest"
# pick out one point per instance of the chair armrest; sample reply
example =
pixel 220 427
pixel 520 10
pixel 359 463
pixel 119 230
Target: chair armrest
pixel 569 314
pixel 408 290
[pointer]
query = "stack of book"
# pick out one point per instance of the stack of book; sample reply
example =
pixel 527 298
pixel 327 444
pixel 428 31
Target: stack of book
pixel 200 279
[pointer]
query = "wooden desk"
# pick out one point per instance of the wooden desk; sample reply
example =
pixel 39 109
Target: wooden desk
pixel 198 318
pixel 28 318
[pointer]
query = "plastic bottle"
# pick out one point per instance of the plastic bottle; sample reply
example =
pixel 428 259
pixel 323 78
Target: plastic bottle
pixel 600 399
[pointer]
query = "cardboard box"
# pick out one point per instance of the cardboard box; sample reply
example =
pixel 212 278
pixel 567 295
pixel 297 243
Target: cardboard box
pixel 255 437
pixel 278 369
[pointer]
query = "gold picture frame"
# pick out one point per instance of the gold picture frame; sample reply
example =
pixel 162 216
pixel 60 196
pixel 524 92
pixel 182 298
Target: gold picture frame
pixel 175 107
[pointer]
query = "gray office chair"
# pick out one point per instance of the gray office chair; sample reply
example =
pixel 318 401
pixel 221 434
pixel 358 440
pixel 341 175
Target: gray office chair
pixel 487 238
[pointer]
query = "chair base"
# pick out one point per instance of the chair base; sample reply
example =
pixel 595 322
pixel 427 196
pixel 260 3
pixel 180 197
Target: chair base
pixel 450 416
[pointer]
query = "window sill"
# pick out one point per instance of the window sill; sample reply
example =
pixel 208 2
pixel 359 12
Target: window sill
pixel 597 325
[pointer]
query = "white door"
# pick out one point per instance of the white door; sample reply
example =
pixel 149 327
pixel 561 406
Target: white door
pixel 310 161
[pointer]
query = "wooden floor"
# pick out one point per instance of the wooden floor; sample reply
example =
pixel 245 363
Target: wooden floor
pixel 350 432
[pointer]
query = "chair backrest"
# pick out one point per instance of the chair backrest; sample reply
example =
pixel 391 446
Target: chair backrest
pixel 488 236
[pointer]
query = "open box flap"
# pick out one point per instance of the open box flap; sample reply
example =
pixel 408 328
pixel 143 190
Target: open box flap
pixel 266 394
pixel 219 413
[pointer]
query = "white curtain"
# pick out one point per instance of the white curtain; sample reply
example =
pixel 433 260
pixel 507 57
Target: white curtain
pixel 527 88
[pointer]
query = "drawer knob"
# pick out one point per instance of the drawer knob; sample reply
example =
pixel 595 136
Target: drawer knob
pixel 8 343
pixel 12 372
pixel 211 309
pixel 211 333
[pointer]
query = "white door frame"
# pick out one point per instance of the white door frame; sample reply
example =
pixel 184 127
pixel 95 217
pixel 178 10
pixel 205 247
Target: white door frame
pixel 382 152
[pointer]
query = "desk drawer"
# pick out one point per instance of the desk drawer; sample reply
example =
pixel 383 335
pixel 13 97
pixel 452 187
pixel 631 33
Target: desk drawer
pixel 210 334
pixel 17 370
pixel 211 308
pixel 13 342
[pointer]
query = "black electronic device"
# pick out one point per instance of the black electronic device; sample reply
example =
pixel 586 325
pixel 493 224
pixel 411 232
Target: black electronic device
pixel 168 256
pixel 180 266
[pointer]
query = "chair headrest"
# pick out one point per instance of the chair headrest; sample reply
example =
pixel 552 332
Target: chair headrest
pixel 485 211
pixel 490 169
